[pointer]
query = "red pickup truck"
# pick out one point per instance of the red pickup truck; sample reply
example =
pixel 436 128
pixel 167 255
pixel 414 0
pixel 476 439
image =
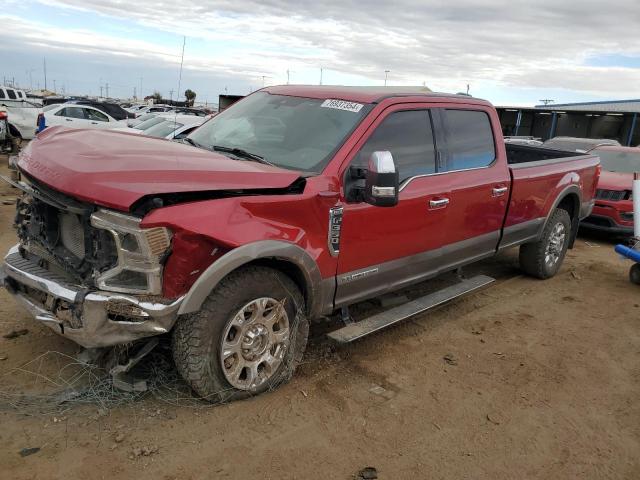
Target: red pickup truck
pixel 294 203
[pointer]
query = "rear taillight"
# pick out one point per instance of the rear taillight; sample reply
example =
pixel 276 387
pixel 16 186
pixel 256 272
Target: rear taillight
pixel 3 115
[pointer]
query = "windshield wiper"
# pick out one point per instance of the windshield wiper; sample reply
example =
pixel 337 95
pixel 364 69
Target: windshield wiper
pixel 238 152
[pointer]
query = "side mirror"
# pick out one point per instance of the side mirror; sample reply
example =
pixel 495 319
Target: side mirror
pixel 382 180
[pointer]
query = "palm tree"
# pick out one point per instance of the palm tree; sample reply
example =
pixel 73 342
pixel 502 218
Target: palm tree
pixel 190 95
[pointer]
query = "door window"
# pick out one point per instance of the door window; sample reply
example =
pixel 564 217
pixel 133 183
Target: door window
pixel 2 95
pixel 12 94
pixel 408 135
pixel 71 112
pixel 469 139
pixel 95 115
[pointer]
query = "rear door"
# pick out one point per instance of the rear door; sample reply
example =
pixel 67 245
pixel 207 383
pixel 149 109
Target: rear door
pixel 97 119
pixel 382 248
pixel 478 180
pixel 72 117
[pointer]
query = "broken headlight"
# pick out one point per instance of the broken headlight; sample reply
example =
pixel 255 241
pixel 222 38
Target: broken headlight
pixel 140 250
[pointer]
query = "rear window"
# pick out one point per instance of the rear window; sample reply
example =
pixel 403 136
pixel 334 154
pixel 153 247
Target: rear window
pixel 12 94
pixel 2 95
pixel 469 139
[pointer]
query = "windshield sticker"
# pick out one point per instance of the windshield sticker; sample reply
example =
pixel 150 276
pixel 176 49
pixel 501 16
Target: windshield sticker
pixel 342 105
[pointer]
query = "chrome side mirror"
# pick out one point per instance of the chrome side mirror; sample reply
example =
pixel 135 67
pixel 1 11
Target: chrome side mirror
pixel 382 180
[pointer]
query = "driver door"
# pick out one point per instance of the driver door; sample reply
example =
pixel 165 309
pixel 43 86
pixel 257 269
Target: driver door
pixel 383 248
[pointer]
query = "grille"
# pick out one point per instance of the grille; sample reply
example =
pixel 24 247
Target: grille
pixel 612 195
pixel 72 234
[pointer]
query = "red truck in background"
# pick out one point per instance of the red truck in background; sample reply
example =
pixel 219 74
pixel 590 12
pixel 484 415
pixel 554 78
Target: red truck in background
pixel 294 203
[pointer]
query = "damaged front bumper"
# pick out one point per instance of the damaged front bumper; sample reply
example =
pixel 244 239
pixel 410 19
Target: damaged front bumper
pixel 89 318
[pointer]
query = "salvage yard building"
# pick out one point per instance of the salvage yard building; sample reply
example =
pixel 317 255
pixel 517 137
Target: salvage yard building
pixel 616 119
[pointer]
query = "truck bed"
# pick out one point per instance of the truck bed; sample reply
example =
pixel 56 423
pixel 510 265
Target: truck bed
pixel 538 177
pixel 519 154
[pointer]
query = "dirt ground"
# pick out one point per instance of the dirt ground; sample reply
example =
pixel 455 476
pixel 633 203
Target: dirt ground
pixel 541 380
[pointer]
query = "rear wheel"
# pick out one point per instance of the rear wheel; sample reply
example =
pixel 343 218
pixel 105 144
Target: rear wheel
pixel 542 259
pixel 248 337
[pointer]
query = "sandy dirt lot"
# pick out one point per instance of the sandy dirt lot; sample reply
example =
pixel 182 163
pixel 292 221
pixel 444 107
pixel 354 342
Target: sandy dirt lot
pixel 541 380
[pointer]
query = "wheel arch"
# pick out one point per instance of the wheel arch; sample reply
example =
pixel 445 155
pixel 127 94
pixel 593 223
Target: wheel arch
pixel 285 257
pixel 569 200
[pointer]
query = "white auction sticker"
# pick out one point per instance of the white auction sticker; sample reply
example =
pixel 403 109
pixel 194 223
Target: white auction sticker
pixel 342 105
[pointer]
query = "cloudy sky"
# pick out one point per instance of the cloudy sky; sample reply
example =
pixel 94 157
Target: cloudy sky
pixel 514 52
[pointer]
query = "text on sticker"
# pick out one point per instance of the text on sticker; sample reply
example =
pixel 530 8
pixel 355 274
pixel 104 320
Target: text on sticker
pixel 342 105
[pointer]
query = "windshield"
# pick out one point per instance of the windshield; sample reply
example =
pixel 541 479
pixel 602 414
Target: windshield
pixel 290 132
pixel 149 123
pixel 616 161
pixel 162 129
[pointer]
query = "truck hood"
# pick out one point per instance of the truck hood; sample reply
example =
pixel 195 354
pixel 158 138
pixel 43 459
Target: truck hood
pixel 615 180
pixel 115 170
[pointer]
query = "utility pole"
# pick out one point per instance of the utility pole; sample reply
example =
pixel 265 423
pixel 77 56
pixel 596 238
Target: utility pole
pixel 467 89
pixel 321 75
pixel 546 101
pixel 263 77
pixel 54 87
pixel 107 88
pixel 287 76
pixel 141 86
pixel 170 96
pixel 44 60
pixel 135 97
pixel 100 91
pixel 386 74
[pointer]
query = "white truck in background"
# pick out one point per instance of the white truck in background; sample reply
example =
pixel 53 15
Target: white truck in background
pixel 23 114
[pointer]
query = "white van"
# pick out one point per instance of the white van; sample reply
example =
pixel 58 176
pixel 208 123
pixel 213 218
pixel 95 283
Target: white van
pixel 23 114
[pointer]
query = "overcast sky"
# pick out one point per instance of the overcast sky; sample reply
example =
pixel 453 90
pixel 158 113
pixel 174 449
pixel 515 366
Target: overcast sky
pixel 514 52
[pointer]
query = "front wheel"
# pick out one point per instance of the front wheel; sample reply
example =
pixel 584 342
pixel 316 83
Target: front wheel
pixel 542 259
pixel 248 337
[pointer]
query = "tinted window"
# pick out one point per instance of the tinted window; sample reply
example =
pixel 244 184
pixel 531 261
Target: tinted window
pixel 2 93
pixel 409 138
pixel 74 112
pixel 12 94
pixel 469 139
pixel 95 115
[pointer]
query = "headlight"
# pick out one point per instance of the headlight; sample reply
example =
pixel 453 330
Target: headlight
pixel 139 250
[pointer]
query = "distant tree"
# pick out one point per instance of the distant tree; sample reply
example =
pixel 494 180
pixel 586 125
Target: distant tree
pixel 157 97
pixel 190 95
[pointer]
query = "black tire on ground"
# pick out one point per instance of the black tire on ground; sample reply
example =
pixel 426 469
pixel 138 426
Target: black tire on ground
pixel 198 337
pixel 542 259
pixel 634 273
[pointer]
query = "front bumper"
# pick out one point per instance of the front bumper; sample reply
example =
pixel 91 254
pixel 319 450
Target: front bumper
pixel 89 318
pixel 605 223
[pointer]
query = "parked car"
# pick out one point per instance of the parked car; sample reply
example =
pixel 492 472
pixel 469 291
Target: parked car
pixel 133 122
pixel 167 126
pixel 5 140
pixel 575 144
pixel 613 210
pixel 524 140
pixel 113 109
pixel 295 202
pixel 22 112
pixel 78 116
pixel 153 109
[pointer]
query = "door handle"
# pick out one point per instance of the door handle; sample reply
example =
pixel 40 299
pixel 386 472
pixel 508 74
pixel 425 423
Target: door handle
pixel 498 191
pixel 438 203
pixel 68 120
pixel 94 123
